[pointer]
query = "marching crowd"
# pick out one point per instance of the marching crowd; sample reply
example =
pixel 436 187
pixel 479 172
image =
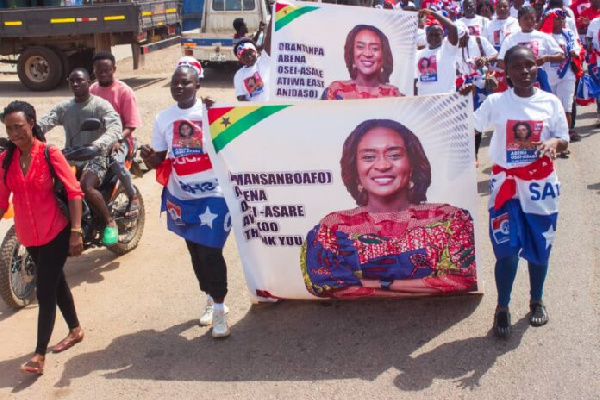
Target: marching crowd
pixel 522 63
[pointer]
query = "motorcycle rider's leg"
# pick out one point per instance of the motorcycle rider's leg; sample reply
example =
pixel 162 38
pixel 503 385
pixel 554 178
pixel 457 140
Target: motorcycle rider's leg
pixel 124 175
pixel 89 185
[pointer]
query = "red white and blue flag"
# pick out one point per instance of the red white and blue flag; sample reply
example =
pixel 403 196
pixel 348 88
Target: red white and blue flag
pixel 524 210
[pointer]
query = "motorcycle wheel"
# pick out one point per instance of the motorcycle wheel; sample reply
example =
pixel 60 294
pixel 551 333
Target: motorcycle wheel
pixel 17 272
pixel 130 229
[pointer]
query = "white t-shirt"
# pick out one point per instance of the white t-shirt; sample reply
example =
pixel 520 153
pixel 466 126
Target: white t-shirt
pixel 552 68
pixel 593 32
pixel 541 43
pixel 476 25
pixel 536 118
pixel 399 5
pixel 435 69
pixel 252 82
pixel 421 38
pixel 498 29
pixel 179 132
pixel 465 57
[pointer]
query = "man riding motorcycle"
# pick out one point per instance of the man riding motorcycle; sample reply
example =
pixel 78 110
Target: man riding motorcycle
pixel 70 114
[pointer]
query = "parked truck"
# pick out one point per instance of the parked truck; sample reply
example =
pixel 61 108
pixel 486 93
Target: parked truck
pixel 52 40
pixel 208 27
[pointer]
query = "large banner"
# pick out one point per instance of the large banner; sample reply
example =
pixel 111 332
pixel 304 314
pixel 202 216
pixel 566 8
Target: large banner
pixel 350 199
pixel 325 51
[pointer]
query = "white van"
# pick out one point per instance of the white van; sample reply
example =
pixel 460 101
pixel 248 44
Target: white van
pixel 207 28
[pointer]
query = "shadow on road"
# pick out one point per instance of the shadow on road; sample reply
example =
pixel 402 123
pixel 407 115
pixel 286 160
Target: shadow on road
pixel 140 83
pixel 88 268
pixel 465 361
pixel 296 341
pixel 594 186
pixel 20 92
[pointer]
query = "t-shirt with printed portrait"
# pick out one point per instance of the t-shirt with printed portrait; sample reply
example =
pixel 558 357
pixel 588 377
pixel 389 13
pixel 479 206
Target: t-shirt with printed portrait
pixel 476 25
pixel 179 132
pixel 540 43
pixel 498 29
pixel 435 70
pixel 518 123
pixel 251 82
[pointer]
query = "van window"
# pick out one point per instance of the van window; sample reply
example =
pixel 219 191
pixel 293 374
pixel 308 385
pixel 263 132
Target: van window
pixel 233 5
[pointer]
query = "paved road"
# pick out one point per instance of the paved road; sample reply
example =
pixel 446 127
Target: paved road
pixel 140 315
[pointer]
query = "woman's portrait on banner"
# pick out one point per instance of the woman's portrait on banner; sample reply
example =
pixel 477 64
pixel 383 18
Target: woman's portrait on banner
pixel 394 243
pixel 370 62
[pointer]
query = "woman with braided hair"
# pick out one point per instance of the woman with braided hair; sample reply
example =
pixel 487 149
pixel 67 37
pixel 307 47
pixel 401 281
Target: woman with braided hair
pixel 370 64
pixel 39 222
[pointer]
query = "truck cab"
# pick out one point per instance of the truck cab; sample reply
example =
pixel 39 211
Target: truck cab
pixel 208 27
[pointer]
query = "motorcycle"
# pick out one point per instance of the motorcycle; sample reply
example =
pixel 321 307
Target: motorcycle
pixel 17 269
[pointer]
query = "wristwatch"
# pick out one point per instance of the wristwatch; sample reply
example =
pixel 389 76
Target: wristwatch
pixel 78 230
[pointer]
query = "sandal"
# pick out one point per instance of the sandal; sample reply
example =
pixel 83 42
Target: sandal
pixel 132 211
pixel 33 367
pixel 539 315
pixel 574 136
pixel 68 342
pixel 111 235
pixel 502 328
pixel 564 154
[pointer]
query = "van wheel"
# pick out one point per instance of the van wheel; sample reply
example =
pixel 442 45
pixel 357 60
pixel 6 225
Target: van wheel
pixel 40 68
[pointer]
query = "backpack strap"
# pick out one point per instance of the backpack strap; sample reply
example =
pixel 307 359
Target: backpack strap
pixel 47 156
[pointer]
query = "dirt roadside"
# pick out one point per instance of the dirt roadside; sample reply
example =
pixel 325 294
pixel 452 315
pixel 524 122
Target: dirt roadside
pixel 140 311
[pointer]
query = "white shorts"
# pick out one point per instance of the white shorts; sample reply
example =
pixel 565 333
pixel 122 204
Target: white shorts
pixel 564 89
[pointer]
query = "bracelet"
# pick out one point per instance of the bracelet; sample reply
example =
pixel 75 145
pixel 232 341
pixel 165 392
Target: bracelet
pixel 78 230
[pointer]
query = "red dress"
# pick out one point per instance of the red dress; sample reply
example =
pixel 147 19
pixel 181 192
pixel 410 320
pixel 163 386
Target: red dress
pixel 345 90
pixel 433 243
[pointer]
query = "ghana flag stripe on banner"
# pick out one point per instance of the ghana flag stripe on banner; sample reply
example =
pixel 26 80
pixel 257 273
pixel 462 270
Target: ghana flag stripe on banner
pixel 286 13
pixel 226 126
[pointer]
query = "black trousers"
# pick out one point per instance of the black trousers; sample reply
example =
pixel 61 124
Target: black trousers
pixel 210 269
pixel 478 136
pixel 52 287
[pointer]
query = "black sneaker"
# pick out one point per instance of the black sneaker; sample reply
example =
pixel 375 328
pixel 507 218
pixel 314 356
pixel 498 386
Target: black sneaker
pixel 502 328
pixel 539 315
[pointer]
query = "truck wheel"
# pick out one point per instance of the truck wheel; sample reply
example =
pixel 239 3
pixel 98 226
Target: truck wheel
pixel 40 68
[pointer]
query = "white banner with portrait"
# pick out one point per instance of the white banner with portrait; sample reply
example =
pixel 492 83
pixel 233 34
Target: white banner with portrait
pixel 369 198
pixel 326 51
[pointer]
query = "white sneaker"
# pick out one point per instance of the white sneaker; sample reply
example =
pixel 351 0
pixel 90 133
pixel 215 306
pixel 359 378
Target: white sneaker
pixel 220 328
pixel 207 317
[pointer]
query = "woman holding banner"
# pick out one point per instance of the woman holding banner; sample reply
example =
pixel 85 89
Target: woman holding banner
pixel 200 216
pixel 370 63
pixel 524 187
pixel 393 243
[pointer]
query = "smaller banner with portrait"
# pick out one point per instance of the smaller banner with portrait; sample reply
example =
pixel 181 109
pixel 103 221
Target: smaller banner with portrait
pixel 331 52
pixel 369 198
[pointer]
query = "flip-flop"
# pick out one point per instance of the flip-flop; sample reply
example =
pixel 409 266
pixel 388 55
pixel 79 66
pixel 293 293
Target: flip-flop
pixel 67 343
pixel 32 367
pixel 564 154
pixel 111 235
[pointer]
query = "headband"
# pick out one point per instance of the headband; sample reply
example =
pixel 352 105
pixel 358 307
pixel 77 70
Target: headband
pixel 241 48
pixel 550 16
pixel 191 62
